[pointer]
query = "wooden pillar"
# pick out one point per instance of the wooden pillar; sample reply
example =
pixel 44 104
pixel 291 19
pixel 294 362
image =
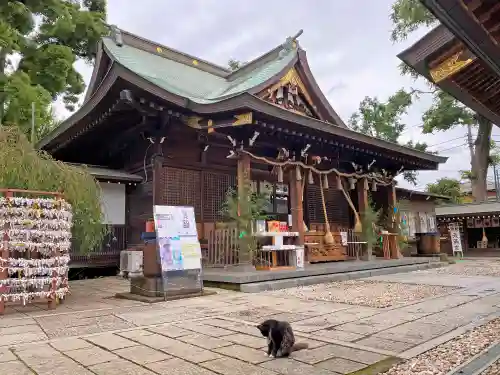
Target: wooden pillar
pixel 297 207
pixel 243 172
pixel 244 175
pixel 157 175
pixel 362 191
pixel 391 203
pixel 151 256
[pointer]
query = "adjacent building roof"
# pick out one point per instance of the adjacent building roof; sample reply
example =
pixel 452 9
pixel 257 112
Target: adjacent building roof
pixel 425 194
pixel 462 55
pixel 111 175
pixel 468 209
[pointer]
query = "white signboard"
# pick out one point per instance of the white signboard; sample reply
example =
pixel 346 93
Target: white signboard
pixel 423 222
pixel 456 241
pixel 177 238
pixel 343 237
pixel 299 256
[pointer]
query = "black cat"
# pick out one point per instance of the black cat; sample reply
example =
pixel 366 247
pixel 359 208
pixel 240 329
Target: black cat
pixel 280 338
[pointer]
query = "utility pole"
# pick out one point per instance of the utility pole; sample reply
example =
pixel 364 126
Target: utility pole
pixel 497 185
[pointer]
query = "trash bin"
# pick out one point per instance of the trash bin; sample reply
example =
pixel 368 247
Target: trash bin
pixel 428 243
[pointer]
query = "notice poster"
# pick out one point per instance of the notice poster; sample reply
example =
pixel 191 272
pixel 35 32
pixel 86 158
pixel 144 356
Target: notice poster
pixel 343 238
pixel 178 248
pixel 456 241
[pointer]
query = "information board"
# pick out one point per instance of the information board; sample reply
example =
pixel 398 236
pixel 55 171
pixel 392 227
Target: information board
pixel 178 249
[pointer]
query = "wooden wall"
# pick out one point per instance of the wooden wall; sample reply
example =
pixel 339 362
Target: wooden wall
pixel 193 178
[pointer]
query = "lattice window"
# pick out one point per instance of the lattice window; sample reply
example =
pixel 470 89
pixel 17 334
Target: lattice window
pixel 336 206
pixel 181 187
pixel 215 187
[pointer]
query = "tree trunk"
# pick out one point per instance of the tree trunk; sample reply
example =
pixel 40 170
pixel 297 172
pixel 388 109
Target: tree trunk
pixel 480 159
pixel 3 63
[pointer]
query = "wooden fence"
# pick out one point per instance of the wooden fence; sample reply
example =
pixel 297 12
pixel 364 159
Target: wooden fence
pixel 222 249
pixel 109 253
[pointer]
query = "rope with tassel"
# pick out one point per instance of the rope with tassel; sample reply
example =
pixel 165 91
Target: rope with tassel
pixel 318 171
pixel 328 235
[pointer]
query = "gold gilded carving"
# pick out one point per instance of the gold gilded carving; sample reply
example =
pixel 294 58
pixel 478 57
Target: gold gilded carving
pixel 194 122
pixel 210 125
pixel 450 66
pixel 243 119
pixel 288 93
pixel 292 77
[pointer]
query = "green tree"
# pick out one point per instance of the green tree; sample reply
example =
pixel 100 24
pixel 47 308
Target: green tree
pixel 445 112
pixel 235 64
pixel 448 187
pixel 48 36
pixel 383 120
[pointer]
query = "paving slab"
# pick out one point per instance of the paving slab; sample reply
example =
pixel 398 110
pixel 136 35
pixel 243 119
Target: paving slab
pixel 338 335
pixel 288 366
pixel 246 340
pixel 120 367
pixel 178 366
pixel 141 354
pixel 323 353
pixel 384 344
pixel 110 341
pixel 91 356
pixel 230 366
pixel 72 343
pixel 204 341
pixel 244 353
pixel 15 368
pixel 6 355
pixel 341 365
pixel 170 330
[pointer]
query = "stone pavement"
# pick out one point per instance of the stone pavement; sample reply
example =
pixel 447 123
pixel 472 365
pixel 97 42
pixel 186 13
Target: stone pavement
pixel 93 333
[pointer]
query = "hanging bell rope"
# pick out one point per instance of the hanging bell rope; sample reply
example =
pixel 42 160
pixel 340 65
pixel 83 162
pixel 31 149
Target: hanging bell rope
pixel 365 184
pixel 339 182
pixel 280 175
pixel 325 182
pixel 298 175
pixel 328 238
pixel 310 178
pixel 357 220
pixel 352 183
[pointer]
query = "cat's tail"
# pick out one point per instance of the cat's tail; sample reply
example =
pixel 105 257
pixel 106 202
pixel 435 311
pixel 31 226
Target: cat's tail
pixel 299 346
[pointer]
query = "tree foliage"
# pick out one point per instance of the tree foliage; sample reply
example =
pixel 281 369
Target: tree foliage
pixel 448 187
pixel 445 112
pixel 383 120
pixel 408 16
pixel 235 64
pixel 47 36
pixel 23 167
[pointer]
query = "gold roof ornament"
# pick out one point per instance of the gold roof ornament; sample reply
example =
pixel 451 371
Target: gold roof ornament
pixel 450 66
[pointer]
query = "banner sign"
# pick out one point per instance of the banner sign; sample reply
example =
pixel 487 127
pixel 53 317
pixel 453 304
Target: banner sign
pixel 178 246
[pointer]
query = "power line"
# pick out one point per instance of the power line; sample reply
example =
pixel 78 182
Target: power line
pixel 449 140
pixel 451 148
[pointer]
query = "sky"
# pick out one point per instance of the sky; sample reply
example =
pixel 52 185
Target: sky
pixel 347 45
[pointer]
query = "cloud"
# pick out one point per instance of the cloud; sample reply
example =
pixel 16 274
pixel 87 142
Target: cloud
pixel 347 45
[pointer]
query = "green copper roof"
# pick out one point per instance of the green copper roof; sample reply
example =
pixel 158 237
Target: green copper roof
pixel 190 82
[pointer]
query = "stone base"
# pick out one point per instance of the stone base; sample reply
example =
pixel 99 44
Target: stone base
pixel 152 287
pixel 146 299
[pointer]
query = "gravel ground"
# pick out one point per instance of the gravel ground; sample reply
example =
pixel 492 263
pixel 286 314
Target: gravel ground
pixel 447 356
pixel 494 369
pixel 470 268
pixel 365 293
